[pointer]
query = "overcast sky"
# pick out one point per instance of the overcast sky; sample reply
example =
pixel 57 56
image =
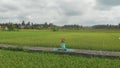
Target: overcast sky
pixel 61 12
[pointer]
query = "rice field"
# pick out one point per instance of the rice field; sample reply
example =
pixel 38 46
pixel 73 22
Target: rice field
pixel 97 40
pixel 90 39
pixel 16 59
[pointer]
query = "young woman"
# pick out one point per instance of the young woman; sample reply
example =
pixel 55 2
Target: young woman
pixel 63 44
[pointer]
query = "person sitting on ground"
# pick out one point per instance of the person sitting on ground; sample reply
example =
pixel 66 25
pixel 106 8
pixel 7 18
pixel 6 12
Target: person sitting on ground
pixel 63 44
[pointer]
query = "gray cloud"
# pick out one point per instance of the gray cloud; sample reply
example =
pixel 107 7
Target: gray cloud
pixel 41 10
pixel 6 8
pixel 106 4
pixel 69 11
pixel 3 10
pixel 59 11
pixel 10 7
pixel 109 2
pixel 70 8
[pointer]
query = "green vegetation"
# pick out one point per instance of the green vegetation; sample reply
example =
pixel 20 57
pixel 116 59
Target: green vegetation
pixel 55 29
pixel 12 59
pixel 84 39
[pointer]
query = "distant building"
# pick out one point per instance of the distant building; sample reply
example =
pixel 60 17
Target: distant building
pixel 22 26
pixel 6 28
pixel 0 27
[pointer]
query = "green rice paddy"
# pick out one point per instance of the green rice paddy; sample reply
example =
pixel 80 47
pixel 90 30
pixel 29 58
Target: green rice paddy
pixel 97 40
pixel 16 59
pixel 80 39
pixel 76 39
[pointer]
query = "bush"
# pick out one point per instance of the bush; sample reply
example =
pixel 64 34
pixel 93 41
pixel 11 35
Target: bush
pixel 55 29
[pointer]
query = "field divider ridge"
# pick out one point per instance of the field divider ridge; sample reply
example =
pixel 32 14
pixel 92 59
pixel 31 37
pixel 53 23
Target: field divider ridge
pixel 51 49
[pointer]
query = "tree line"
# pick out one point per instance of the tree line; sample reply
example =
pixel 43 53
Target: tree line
pixel 29 25
pixel 108 26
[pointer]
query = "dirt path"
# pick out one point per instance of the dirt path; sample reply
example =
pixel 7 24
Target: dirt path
pixel 76 51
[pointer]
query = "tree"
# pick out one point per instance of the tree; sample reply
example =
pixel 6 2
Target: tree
pixel 11 27
pixel 119 25
pixel 23 22
pixel 45 25
pixel 28 24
